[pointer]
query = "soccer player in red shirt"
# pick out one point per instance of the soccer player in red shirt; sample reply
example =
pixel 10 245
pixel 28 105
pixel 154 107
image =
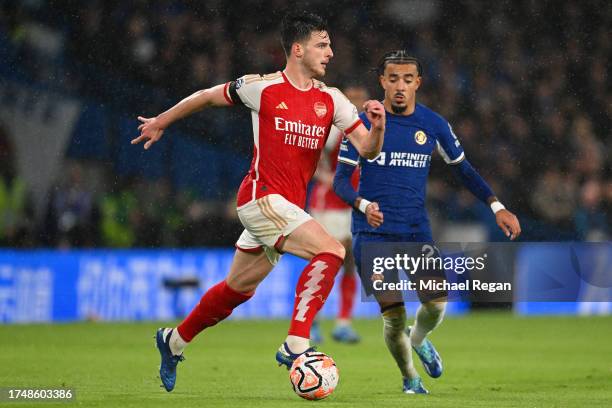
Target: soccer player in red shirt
pixel 335 216
pixel 292 114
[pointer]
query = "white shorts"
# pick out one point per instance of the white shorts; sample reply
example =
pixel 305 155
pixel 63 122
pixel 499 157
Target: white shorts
pixel 267 221
pixel 336 222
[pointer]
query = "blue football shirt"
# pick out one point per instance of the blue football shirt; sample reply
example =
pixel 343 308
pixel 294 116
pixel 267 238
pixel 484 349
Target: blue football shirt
pixel 397 178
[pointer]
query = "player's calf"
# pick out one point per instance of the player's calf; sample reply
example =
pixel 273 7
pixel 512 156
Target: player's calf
pixel 428 317
pixel 432 362
pixel 344 332
pixel 397 341
pixel 313 287
pixel 326 255
pixel 216 305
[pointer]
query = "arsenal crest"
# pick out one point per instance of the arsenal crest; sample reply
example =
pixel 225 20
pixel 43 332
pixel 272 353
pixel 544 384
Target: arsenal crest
pixel 320 109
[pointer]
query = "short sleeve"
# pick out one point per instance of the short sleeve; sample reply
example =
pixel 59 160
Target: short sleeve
pixel 345 113
pixel 448 145
pixel 247 90
pixel 335 135
pixel 347 153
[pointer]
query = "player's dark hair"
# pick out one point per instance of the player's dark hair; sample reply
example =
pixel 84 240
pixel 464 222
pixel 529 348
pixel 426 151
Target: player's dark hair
pixel 398 57
pixel 298 26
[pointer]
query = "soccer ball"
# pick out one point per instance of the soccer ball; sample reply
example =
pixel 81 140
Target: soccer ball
pixel 314 375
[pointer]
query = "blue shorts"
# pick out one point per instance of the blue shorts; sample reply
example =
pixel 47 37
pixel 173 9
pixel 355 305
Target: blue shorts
pixel 423 237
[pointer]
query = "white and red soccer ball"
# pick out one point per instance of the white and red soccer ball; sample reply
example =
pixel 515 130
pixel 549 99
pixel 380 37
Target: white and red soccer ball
pixel 314 375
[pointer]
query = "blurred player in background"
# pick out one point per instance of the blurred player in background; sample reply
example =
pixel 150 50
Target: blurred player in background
pixel 292 115
pixel 390 204
pixel 335 216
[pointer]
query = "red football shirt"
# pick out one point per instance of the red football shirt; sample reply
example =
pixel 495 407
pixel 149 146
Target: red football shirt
pixel 290 128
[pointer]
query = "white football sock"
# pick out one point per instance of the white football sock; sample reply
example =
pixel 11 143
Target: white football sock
pixel 297 345
pixel 428 317
pixel 398 343
pixel 176 343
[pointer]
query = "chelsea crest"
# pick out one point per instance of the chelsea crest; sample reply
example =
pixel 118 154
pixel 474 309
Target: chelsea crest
pixel 420 137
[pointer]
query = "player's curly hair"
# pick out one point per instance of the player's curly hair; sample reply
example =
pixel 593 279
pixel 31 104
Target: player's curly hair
pixel 298 26
pixel 397 57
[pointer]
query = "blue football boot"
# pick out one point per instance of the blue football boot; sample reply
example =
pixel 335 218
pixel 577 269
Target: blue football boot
pixel 167 368
pixel 345 334
pixel 285 357
pixel 432 362
pixel 414 386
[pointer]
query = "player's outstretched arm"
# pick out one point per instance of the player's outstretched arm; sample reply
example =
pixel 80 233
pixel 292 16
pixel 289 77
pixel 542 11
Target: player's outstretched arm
pixel 152 129
pixel 369 143
pixel 471 179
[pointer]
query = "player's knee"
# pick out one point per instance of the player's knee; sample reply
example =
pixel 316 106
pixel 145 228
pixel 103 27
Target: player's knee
pixel 435 307
pixel 246 281
pixel 338 249
pixel 394 319
pixel 241 285
pixel 330 246
pixel 347 244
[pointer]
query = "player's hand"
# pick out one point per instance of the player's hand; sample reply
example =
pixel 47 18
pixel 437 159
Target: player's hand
pixel 508 223
pixel 375 112
pixel 374 215
pixel 150 130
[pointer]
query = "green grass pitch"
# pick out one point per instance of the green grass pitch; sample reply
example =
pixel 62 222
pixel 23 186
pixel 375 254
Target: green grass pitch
pixel 491 360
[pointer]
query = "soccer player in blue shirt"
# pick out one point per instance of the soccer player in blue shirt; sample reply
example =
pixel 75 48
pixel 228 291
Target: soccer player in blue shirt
pixel 390 203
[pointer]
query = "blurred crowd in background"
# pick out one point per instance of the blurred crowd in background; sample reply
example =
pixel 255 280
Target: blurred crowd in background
pixel 524 84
